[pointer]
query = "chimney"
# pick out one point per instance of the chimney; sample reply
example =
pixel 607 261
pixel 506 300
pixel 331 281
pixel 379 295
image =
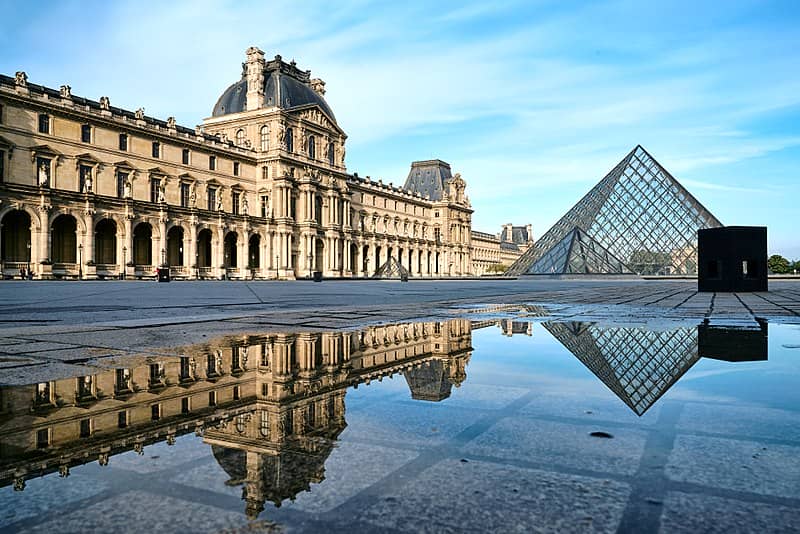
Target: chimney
pixel 254 70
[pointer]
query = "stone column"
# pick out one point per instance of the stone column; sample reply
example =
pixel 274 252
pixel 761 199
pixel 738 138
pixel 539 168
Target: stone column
pixel 192 248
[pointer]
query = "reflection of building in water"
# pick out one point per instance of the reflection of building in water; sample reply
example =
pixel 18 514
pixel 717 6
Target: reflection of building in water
pixel 640 365
pixel 271 406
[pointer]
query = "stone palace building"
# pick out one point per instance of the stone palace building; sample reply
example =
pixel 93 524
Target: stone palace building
pixel 259 190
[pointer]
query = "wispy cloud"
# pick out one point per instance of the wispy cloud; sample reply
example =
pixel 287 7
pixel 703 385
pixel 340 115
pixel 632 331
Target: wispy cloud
pixel 529 100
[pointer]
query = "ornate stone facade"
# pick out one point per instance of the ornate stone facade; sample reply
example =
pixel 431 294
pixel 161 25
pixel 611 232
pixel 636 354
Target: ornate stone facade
pixel 493 253
pixel 259 190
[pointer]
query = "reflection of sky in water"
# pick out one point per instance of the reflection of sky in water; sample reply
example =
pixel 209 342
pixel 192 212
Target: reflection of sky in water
pixel 527 403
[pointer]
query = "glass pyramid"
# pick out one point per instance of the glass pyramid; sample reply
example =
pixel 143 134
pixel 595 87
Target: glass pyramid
pixel 391 269
pixel 638 365
pixel 638 219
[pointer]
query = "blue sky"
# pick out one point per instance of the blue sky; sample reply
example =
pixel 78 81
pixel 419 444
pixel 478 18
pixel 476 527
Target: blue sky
pixel 532 101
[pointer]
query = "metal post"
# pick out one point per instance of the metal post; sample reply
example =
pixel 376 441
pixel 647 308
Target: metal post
pixel 28 271
pixel 80 261
pixel 124 262
pixel 309 265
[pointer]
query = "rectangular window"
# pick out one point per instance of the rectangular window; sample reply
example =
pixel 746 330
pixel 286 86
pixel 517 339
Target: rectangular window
pixel 86 428
pixel 44 123
pixel 2 165
pixel 236 168
pixel 265 390
pixel 212 162
pixel 185 156
pixel 123 142
pixel 236 393
pixel 155 412
pixel 155 189
pixel 185 368
pixel 122 419
pixel 211 365
pixel 1 113
pixel 86 133
pixel 185 191
pixel 156 149
pixel 235 199
pixel 122 179
pixel 84 178
pixel 264 202
pixel 212 199
pixel 212 398
pixel 185 408
pixel 43 438
pixel 264 355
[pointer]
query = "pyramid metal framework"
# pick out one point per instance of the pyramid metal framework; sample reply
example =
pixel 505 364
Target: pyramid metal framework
pixel 392 269
pixel 637 219
pixel 638 365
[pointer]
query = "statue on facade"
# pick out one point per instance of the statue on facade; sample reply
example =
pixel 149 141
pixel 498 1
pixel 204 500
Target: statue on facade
pixel 105 103
pixel 66 91
pixel 171 122
pixel 139 114
pixel 87 184
pixel 245 206
pixel 21 78
pixel 193 196
pixel 161 195
pixel 127 190
pixel 44 175
pixel 342 154
pixel 219 200
pixel 282 135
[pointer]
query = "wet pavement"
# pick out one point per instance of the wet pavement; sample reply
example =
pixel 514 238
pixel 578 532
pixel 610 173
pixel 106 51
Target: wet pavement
pixel 608 407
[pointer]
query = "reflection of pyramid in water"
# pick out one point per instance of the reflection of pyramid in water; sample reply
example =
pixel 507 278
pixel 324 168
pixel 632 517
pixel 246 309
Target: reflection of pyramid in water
pixel 639 215
pixel 637 365
pixel 391 269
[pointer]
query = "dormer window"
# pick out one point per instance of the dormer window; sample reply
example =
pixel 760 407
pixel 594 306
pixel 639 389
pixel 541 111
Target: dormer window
pixel 240 139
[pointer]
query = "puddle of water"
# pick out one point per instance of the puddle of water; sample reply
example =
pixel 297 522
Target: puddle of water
pixel 493 424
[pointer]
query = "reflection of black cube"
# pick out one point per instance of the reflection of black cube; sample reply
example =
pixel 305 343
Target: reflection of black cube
pixel 732 258
pixel 732 344
pixel 163 274
pixel 318 276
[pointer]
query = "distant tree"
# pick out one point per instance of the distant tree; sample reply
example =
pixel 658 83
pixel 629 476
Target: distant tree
pixel 778 264
pixel 649 262
pixel 496 268
pixel 796 267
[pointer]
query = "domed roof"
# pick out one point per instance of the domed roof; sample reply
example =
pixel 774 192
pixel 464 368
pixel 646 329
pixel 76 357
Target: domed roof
pixel 285 86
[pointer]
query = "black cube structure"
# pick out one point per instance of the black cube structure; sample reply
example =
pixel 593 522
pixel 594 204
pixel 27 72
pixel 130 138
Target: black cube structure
pixel 732 258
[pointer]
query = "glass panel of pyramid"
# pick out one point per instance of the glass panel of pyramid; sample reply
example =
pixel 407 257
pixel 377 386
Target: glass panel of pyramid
pixel 638 365
pixel 637 214
pixel 391 269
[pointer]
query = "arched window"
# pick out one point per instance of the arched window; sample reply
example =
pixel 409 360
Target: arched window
pixel 264 138
pixel 240 137
pixel 289 140
pixel 312 151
